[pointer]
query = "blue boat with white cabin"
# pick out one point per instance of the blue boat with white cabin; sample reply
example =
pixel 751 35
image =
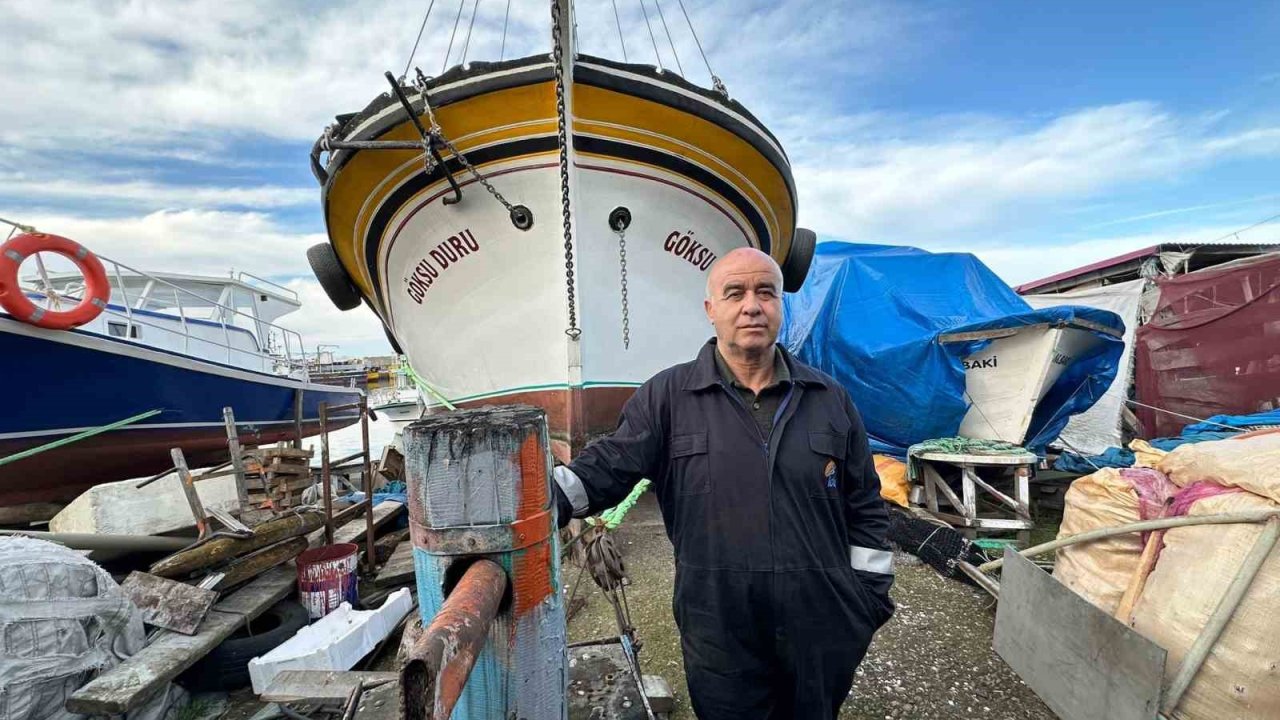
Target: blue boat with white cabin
pixel 184 345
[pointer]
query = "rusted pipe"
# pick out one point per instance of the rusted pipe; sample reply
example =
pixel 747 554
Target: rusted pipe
pixel 440 660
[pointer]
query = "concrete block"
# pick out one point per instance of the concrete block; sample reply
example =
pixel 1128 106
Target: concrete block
pixel 120 508
pixel 661 699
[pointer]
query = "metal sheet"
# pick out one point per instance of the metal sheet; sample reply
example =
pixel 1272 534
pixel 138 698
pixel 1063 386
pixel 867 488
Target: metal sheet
pixel 1083 663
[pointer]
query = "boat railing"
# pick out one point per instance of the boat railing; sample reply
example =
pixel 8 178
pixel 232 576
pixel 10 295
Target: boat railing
pixel 253 280
pixel 276 349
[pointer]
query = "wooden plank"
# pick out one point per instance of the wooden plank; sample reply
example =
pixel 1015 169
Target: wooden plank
pixel 1083 663
pixel 354 529
pixel 380 703
pixel 320 686
pixel 133 681
pixel 288 453
pixel 399 569
pixel 167 603
pixel 288 468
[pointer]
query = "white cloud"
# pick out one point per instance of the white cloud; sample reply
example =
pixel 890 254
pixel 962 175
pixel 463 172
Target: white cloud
pixel 1017 264
pixel 155 195
pixel 358 332
pixel 210 242
pixel 918 188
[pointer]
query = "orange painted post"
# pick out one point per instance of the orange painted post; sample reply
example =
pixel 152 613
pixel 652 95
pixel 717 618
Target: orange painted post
pixel 479 487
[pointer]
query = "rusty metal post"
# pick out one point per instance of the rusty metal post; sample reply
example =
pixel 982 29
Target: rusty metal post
pixel 479 487
pixel 440 660
pixel 367 485
pixel 326 481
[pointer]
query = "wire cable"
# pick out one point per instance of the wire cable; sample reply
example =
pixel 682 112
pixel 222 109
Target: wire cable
pixel 452 35
pixel 652 39
pixel 671 42
pixel 697 41
pixel 467 45
pixel 505 18
pixel 417 40
pixel 618 21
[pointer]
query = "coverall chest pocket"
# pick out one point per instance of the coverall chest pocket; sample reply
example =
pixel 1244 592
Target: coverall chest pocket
pixel 690 473
pixel 826 463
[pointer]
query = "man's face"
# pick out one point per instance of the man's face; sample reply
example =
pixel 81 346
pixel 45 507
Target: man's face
pixel 745 302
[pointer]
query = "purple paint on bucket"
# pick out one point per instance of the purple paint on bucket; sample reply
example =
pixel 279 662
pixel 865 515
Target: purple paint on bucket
pixel 327 578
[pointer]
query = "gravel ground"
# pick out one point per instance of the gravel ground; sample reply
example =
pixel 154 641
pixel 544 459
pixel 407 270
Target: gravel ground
pixel 933 660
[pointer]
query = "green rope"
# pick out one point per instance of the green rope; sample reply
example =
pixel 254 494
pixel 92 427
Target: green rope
pixel 78 436
pixel 412 374
pixel 613 517
pixel 966 446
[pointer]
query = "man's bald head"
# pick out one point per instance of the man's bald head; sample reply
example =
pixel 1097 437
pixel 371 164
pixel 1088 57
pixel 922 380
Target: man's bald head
pixel 735 260
pixel 744 302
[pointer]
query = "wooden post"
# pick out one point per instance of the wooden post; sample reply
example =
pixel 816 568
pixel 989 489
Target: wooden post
pixel 237 461
pixel 367 484
pixel 297 418
pixel 326 481
pixel 479 487
pixel 189 489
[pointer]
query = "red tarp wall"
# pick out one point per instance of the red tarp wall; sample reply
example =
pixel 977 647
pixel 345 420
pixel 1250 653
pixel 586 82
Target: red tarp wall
pixel 1212 346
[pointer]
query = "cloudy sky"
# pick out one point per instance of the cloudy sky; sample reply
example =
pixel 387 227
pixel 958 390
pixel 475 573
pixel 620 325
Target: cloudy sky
pixel 1040 136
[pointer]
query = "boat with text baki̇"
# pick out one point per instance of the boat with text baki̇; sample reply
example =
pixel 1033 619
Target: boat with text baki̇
pixel 540 230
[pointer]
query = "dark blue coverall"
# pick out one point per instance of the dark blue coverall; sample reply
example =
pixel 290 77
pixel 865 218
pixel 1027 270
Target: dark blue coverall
pixel 782 569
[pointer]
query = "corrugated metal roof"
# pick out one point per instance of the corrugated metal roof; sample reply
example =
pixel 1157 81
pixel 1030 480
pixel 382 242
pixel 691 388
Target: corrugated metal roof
pixel 1139 255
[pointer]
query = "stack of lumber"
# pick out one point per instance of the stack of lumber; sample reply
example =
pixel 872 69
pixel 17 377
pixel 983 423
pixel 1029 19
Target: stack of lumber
pixel 286 472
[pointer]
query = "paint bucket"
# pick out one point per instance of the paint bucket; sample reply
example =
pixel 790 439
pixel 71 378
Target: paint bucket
pixel 327 578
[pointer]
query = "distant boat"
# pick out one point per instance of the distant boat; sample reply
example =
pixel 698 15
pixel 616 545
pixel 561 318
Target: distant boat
pixel 401 402
pixel 186 345
pixel 570 265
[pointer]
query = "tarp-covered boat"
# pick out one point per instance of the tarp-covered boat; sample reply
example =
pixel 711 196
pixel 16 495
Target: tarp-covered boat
pixel 936 345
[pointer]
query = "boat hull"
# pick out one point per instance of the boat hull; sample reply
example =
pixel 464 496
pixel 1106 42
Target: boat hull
pixel 482 309
pixel 71 381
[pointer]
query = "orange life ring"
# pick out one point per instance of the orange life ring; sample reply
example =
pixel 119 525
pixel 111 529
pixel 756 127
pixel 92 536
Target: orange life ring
pixel 97 291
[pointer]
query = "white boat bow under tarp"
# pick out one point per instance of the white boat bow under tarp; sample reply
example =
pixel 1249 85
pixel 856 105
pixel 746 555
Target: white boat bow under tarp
pixel 1098 428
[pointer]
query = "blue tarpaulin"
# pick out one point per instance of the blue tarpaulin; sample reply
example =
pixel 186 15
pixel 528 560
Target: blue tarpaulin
pixel 871 315
pixel 1215 428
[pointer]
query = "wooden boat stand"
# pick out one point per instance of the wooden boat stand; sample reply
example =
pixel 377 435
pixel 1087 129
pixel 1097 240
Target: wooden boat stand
pixel 326 478
pixel 964 508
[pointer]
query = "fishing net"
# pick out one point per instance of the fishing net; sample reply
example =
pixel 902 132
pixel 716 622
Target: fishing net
pixel 938 546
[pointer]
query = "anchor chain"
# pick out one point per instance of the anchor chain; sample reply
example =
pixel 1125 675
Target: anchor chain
pixel 520 215
pixel 557 55
pixel 626 309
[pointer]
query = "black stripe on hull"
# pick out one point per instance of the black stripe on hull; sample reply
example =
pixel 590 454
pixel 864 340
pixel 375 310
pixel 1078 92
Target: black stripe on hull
pixel 420 181
pixel 706 107
pixel 678 165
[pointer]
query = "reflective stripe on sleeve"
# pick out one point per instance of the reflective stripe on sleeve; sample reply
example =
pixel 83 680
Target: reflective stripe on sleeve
pixel 868 560
pixel 572 487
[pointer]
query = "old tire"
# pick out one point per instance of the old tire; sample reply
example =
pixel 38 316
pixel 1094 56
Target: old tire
pixel 227 666
pixel 795 267
pixel 333 277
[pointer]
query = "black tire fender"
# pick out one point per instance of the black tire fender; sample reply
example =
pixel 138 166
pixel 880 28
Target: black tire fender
pixel 333 277
pixel 226 667
pixel 795 266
